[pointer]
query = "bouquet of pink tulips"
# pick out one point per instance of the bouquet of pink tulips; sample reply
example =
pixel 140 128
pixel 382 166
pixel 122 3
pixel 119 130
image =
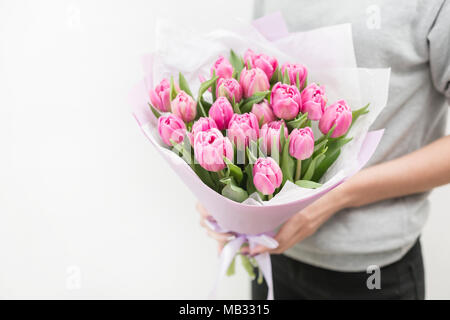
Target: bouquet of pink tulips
pixel 259 141
pixel 252 131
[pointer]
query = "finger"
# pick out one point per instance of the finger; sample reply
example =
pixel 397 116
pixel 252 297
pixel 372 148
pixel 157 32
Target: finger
pixel 201 209
pixel 221 246
pixel 221 237
pixel 259 249
pixel 205 223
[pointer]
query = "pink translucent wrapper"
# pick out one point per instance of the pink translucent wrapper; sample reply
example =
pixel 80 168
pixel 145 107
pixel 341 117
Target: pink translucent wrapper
pixel 254 219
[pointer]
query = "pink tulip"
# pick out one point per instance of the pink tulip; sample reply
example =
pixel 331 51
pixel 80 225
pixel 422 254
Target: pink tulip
pixel 261 61
pixel 253 80
pixel 202 124
pixel 160 96
pixel 301 143
pixel 338 114
pixel 242 129
pixel 184 106
pixel 263 112
pixel 171 127
pixel 210 147
pixel 293 70
pixel 270 133
pixel 267 175
pixel 286 101
pixel 221 111
pixel 223 68
pixel 314 101
pixel 230 89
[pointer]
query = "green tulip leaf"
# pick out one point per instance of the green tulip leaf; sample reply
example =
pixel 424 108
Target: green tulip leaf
pixel 248 266
pixel 333 151
pixel 357 113
pixel 205 176
pixel 287 164
pixel 188 151
pixel 184 84
pixel 234 170
pixel 275 76
pixel 261 121
pixel 274 151
pixel 232 191
pixel 308 184
pixel 201 103
pixel 232 268
pixel 236 62
pixel 286 79
pixel 248 103
pixel 314 163
pixel 155 112
pixel 318 147
pixel 260 276
pixel 206 85
pixel 173 89
pixel 298 122
pixel 214 88
pixel 236 106
pixel 305 84
pixel 251 156
pixel 282 136
pixel 249 173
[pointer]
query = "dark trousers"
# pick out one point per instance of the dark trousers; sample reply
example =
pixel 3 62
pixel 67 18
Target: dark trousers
pixel 293 279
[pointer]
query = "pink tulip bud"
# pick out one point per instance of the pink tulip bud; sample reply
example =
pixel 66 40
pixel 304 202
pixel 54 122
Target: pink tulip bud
pixel 160 96
pixel 338 114
pixel 184 106
pixel 263 111
pixel 230 89
pixel 223 68
pixel 293 70
pixel 210 147
pixel 286 101
pixel 314 101
pixel 242 129
pixel 301 143
pixel 267 175
pixel 253 80
pixel 171 127
pixel 261 61
pixel 202 124
pixel 221 111
pixel 270 133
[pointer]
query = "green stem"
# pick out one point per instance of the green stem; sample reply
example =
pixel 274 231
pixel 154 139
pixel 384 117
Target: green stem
pixel 270 196
pixel 221 174
pixel 298 170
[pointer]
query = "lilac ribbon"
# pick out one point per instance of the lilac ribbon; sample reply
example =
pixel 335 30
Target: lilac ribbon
pixel 232 248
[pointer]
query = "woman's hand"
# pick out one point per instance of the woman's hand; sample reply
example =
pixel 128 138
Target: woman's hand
pixel 387 180
pixel 205 219
pixel 305 223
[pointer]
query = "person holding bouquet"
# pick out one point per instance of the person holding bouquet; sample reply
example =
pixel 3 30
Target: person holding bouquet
pixel 374 220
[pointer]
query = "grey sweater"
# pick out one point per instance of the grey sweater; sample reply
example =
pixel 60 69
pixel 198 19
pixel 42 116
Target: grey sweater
pixel 411 37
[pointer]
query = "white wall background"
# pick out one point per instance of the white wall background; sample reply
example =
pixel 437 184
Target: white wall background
pixel 85 203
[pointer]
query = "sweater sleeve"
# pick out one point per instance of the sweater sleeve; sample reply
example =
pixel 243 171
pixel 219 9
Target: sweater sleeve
pixel 439 50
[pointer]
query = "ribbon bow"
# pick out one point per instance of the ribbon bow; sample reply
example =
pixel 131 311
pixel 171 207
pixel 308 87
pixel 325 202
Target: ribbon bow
pixel 233 247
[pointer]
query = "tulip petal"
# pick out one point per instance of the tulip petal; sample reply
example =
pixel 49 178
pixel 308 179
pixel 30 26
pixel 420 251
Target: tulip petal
pixel 263 184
